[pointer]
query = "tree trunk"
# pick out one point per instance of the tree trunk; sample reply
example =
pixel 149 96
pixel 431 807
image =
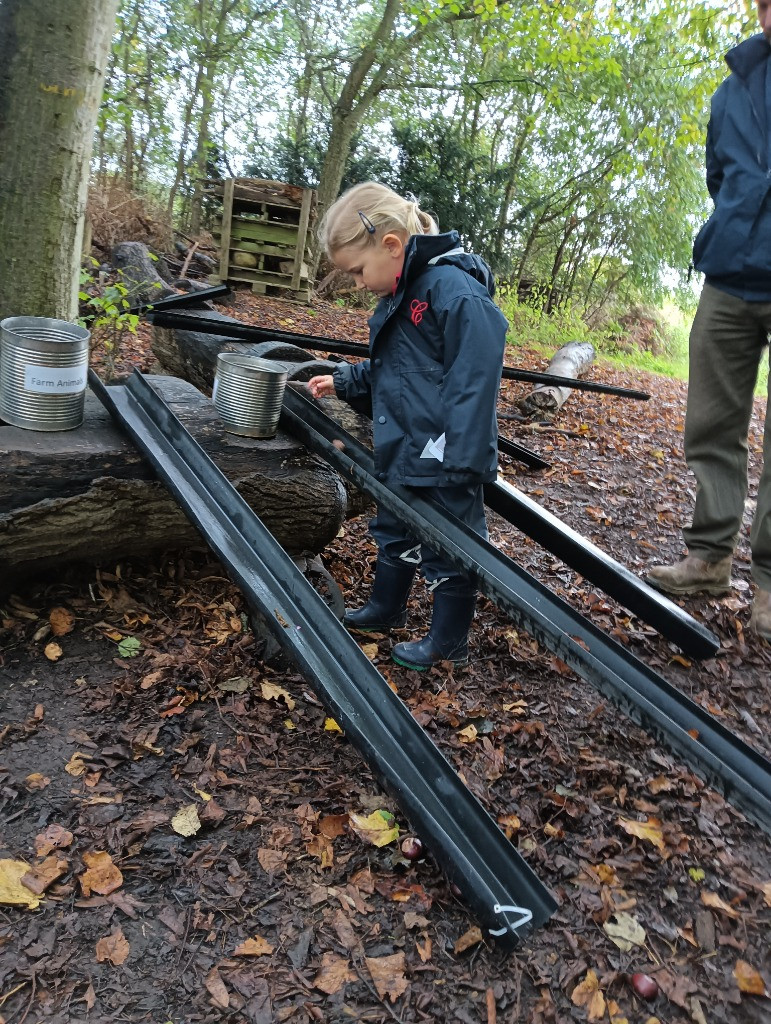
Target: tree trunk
pixel 572 360
pixel 52 61
pixel 87 495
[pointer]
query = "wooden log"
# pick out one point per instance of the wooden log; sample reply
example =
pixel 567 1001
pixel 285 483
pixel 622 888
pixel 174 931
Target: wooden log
pixel 87 495
pixel 572 360
pixel 139 274
pixel 192 355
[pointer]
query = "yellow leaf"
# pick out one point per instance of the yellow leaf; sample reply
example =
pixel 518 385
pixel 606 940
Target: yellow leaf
pixel 766 890
pixel 186 821
pixel 510 824
pixel 76 765
pixel 371 650
pixel 330 725
pixel 333 974
pixel 199 792
pixel 272 692
pixel 37 781
pixel 468 735
pixel 53 651
pixel 589 994
pixel 61 620
pixel 749 980
pixel 625 931
pixel 379 828
pixel 289 724
pixel 650 830
pixel 254 947
pixel 12 891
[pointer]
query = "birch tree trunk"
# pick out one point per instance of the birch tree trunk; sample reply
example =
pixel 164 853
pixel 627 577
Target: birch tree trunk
pixel 52 62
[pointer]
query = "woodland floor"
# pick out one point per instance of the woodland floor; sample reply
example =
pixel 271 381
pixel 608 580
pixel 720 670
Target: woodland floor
pixel 276 909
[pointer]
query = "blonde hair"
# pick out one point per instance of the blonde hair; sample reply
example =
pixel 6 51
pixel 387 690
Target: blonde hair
pixel 366 211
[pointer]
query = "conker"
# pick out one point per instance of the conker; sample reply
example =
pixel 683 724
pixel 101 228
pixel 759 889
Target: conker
pixel 412 848
pixel 645 986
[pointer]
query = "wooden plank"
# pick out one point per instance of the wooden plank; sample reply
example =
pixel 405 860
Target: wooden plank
pixel 302 234
pixel 227 217
pixel 264 231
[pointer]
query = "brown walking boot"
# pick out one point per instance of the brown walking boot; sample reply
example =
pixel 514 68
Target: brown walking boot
pixel 761 613
pixel 693 576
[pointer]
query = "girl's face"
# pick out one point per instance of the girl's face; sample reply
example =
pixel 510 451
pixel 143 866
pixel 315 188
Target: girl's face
pixel 374 267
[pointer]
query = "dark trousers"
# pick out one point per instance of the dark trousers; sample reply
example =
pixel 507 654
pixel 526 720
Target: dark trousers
pixel 397 544
pixel 728 339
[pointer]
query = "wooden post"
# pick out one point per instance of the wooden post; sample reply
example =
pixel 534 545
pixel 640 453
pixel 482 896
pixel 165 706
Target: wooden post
pixel 227 220
pixel 302 232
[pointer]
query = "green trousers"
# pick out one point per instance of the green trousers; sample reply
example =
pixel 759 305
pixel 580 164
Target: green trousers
pixel 728 339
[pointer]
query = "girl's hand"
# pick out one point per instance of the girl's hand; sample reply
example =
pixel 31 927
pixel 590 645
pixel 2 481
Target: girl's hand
pixel 322 386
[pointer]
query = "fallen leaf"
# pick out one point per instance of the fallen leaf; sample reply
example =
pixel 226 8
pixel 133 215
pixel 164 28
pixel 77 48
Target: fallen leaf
pixel 62 621
pixel 54 838
pixel 237 684
pixel 102 876
pixel 330 725
pixel 749 980
pixel 53 651
pixel 36 781
pixel 41 876
pixel 113 947
pixel 13 892
pixel 649 829
pixel 468 735
pixel 215 986
pixel 589 995
pixel 379 828
pixel 714 902
pixel 186 821
pixel 254 947
pixel 625 931
pixel 333 973
pixel 271 861
pixel 129 647
pixel 468 939
pixel 272 692
pixel 388 975
pixel 76 766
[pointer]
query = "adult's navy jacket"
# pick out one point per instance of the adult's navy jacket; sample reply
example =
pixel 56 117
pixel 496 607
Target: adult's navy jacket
pixel 733 249
pixel 436 354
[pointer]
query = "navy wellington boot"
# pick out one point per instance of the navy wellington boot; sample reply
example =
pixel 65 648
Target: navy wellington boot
pixel 447 638
pixel 387 605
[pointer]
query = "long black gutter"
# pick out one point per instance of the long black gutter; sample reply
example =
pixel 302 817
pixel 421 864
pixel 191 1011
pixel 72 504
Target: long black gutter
pixel 668 618
pixel 735 769
pixel 245 332
pixel 182 300
pixel 501 889
pixel 525 455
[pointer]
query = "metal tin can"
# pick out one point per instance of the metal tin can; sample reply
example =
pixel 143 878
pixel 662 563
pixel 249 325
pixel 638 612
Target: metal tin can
pixel 248 392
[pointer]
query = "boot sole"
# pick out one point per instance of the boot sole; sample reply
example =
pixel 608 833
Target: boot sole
pixel 425 668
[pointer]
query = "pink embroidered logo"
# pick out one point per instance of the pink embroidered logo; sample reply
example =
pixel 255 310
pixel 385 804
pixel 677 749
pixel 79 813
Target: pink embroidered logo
pixel 417 309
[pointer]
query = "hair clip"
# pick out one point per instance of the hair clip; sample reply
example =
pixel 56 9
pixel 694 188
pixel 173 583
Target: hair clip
pixel 366 222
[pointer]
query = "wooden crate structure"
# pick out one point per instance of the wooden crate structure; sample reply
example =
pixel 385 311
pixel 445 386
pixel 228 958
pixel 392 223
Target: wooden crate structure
pixel 264 233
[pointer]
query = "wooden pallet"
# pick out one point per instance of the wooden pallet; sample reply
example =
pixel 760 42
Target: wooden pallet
pixel 264 235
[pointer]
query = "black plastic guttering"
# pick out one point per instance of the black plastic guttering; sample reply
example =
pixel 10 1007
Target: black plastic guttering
pixel 235 331
pixel 595 565
pixel 736 770
pixel 182 300
pixel 503 892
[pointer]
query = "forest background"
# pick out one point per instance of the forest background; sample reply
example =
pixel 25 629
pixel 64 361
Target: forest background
pixel 563 140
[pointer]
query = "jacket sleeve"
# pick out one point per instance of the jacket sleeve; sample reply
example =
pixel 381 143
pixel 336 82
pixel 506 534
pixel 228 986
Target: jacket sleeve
pixel 352 385
pixel 714 166
pixel 474 332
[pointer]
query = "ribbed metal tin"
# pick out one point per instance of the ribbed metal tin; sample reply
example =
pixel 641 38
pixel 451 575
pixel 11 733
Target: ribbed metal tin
pixel 43 373
pixel 248 392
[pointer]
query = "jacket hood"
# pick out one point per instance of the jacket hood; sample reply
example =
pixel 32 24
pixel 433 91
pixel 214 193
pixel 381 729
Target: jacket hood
pixel 748 54
pixel 445 250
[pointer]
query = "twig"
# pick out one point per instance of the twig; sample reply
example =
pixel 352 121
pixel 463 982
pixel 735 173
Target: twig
pixel 190 254
pixel 491 1014
pixel 537 428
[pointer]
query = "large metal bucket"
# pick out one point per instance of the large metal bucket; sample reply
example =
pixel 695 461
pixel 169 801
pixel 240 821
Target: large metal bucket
pixel 43 373
pixel 248 392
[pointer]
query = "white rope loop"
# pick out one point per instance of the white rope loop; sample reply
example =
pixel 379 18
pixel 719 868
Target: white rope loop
pixel 525 917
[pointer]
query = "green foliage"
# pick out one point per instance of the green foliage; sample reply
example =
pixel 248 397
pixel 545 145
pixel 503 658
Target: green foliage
pixel 105 313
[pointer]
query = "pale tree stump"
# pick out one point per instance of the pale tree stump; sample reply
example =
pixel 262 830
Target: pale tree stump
pixel 545 400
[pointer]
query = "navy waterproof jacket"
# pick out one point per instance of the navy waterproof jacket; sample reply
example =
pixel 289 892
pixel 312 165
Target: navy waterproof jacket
pixel 436 355
pixel 733 249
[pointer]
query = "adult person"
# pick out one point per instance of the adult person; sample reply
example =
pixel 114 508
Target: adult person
pixel 730 333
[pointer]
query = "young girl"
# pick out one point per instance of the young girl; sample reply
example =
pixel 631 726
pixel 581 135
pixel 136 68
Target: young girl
pixel 436 353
